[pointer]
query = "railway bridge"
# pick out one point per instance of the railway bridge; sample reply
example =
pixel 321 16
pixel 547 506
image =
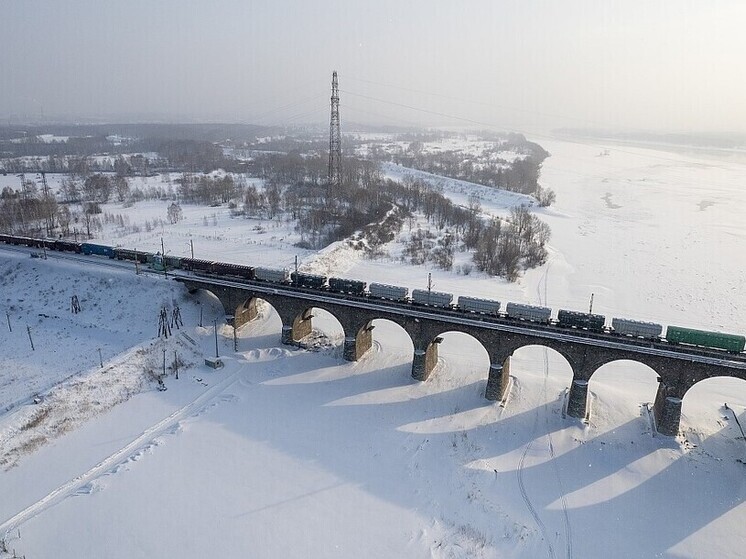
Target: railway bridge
pixel 678 367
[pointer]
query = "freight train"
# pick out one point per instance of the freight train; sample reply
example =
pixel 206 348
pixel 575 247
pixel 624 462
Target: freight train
pixel 479 308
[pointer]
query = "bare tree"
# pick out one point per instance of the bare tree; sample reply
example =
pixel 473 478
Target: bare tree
pixel 175 214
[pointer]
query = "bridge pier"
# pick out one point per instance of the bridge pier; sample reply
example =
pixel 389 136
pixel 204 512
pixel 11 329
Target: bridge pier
pixel 497 381
pixel 577 401
pixel 245 313
pixel 356 346
pixel 668 416
pixel 301 327
pixel 667 411
pixel 286 337
pixel 424 361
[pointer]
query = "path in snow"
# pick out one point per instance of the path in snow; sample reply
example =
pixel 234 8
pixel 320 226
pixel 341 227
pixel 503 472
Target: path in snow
pixel 112 463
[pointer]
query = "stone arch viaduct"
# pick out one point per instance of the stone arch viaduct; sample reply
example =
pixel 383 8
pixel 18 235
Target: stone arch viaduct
pixel 678 367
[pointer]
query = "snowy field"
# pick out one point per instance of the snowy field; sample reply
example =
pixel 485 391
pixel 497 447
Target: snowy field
pixel 295 453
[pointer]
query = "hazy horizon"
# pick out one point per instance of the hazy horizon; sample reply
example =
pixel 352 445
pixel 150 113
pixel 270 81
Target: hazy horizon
pixel 662 66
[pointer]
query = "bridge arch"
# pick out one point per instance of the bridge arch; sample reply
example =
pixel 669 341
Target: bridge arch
pixel 531 350
pixel 327 323
pixel 299 319
pixel 623 385
pixel 260 317
pixel 455 346
pixel 427 339
pixel 208 299
pixel 398 338
pixel 536 362
pixel 704 402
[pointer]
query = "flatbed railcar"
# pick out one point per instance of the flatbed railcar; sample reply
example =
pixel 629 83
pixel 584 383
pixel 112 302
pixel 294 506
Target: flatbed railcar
pixel 479 306
pixel 432 298
pixel 581 320
pixel 530 313
pixel 703 338
pixel 636 328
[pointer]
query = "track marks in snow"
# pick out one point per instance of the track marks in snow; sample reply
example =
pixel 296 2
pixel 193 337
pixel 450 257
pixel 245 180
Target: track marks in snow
pixel 89 481
pixel 555 468
pixel 541 291
pixel 522 486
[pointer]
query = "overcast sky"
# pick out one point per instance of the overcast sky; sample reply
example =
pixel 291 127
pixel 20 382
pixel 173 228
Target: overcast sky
pixel 527 64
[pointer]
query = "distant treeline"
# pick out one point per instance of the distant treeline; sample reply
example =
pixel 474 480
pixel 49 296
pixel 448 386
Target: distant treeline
pixel 489 169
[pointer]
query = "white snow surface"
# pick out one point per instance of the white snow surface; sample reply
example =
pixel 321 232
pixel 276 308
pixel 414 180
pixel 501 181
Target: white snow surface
pixel 287 452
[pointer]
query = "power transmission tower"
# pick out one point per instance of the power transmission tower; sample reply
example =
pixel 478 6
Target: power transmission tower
pixel 335 144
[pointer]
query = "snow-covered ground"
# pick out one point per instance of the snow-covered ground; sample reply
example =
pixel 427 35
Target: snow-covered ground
pixel 293 453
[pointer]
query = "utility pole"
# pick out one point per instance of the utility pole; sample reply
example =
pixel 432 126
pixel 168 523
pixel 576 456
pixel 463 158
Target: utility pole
pixel 28 329
pixel 590 307
pixel 163 252
pixel 191 246
pixel 216 339
pixel 49 218
pixel 7 315
pixel 335 144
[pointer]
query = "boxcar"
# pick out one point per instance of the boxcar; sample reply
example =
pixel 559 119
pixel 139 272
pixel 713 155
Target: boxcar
pixel 480 306
pixel 432 298
pixel 718 340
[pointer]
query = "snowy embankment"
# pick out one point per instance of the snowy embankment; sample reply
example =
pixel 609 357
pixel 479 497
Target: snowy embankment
pixel 493 200
pixel 293 453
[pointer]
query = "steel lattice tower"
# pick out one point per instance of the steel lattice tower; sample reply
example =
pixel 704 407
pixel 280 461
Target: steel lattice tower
pixel 335 141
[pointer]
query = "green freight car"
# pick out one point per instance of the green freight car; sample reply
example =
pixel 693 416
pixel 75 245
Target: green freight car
pixel 718 340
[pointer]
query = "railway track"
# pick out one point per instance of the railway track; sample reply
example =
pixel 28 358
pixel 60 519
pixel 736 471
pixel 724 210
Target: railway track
pixel 553 332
